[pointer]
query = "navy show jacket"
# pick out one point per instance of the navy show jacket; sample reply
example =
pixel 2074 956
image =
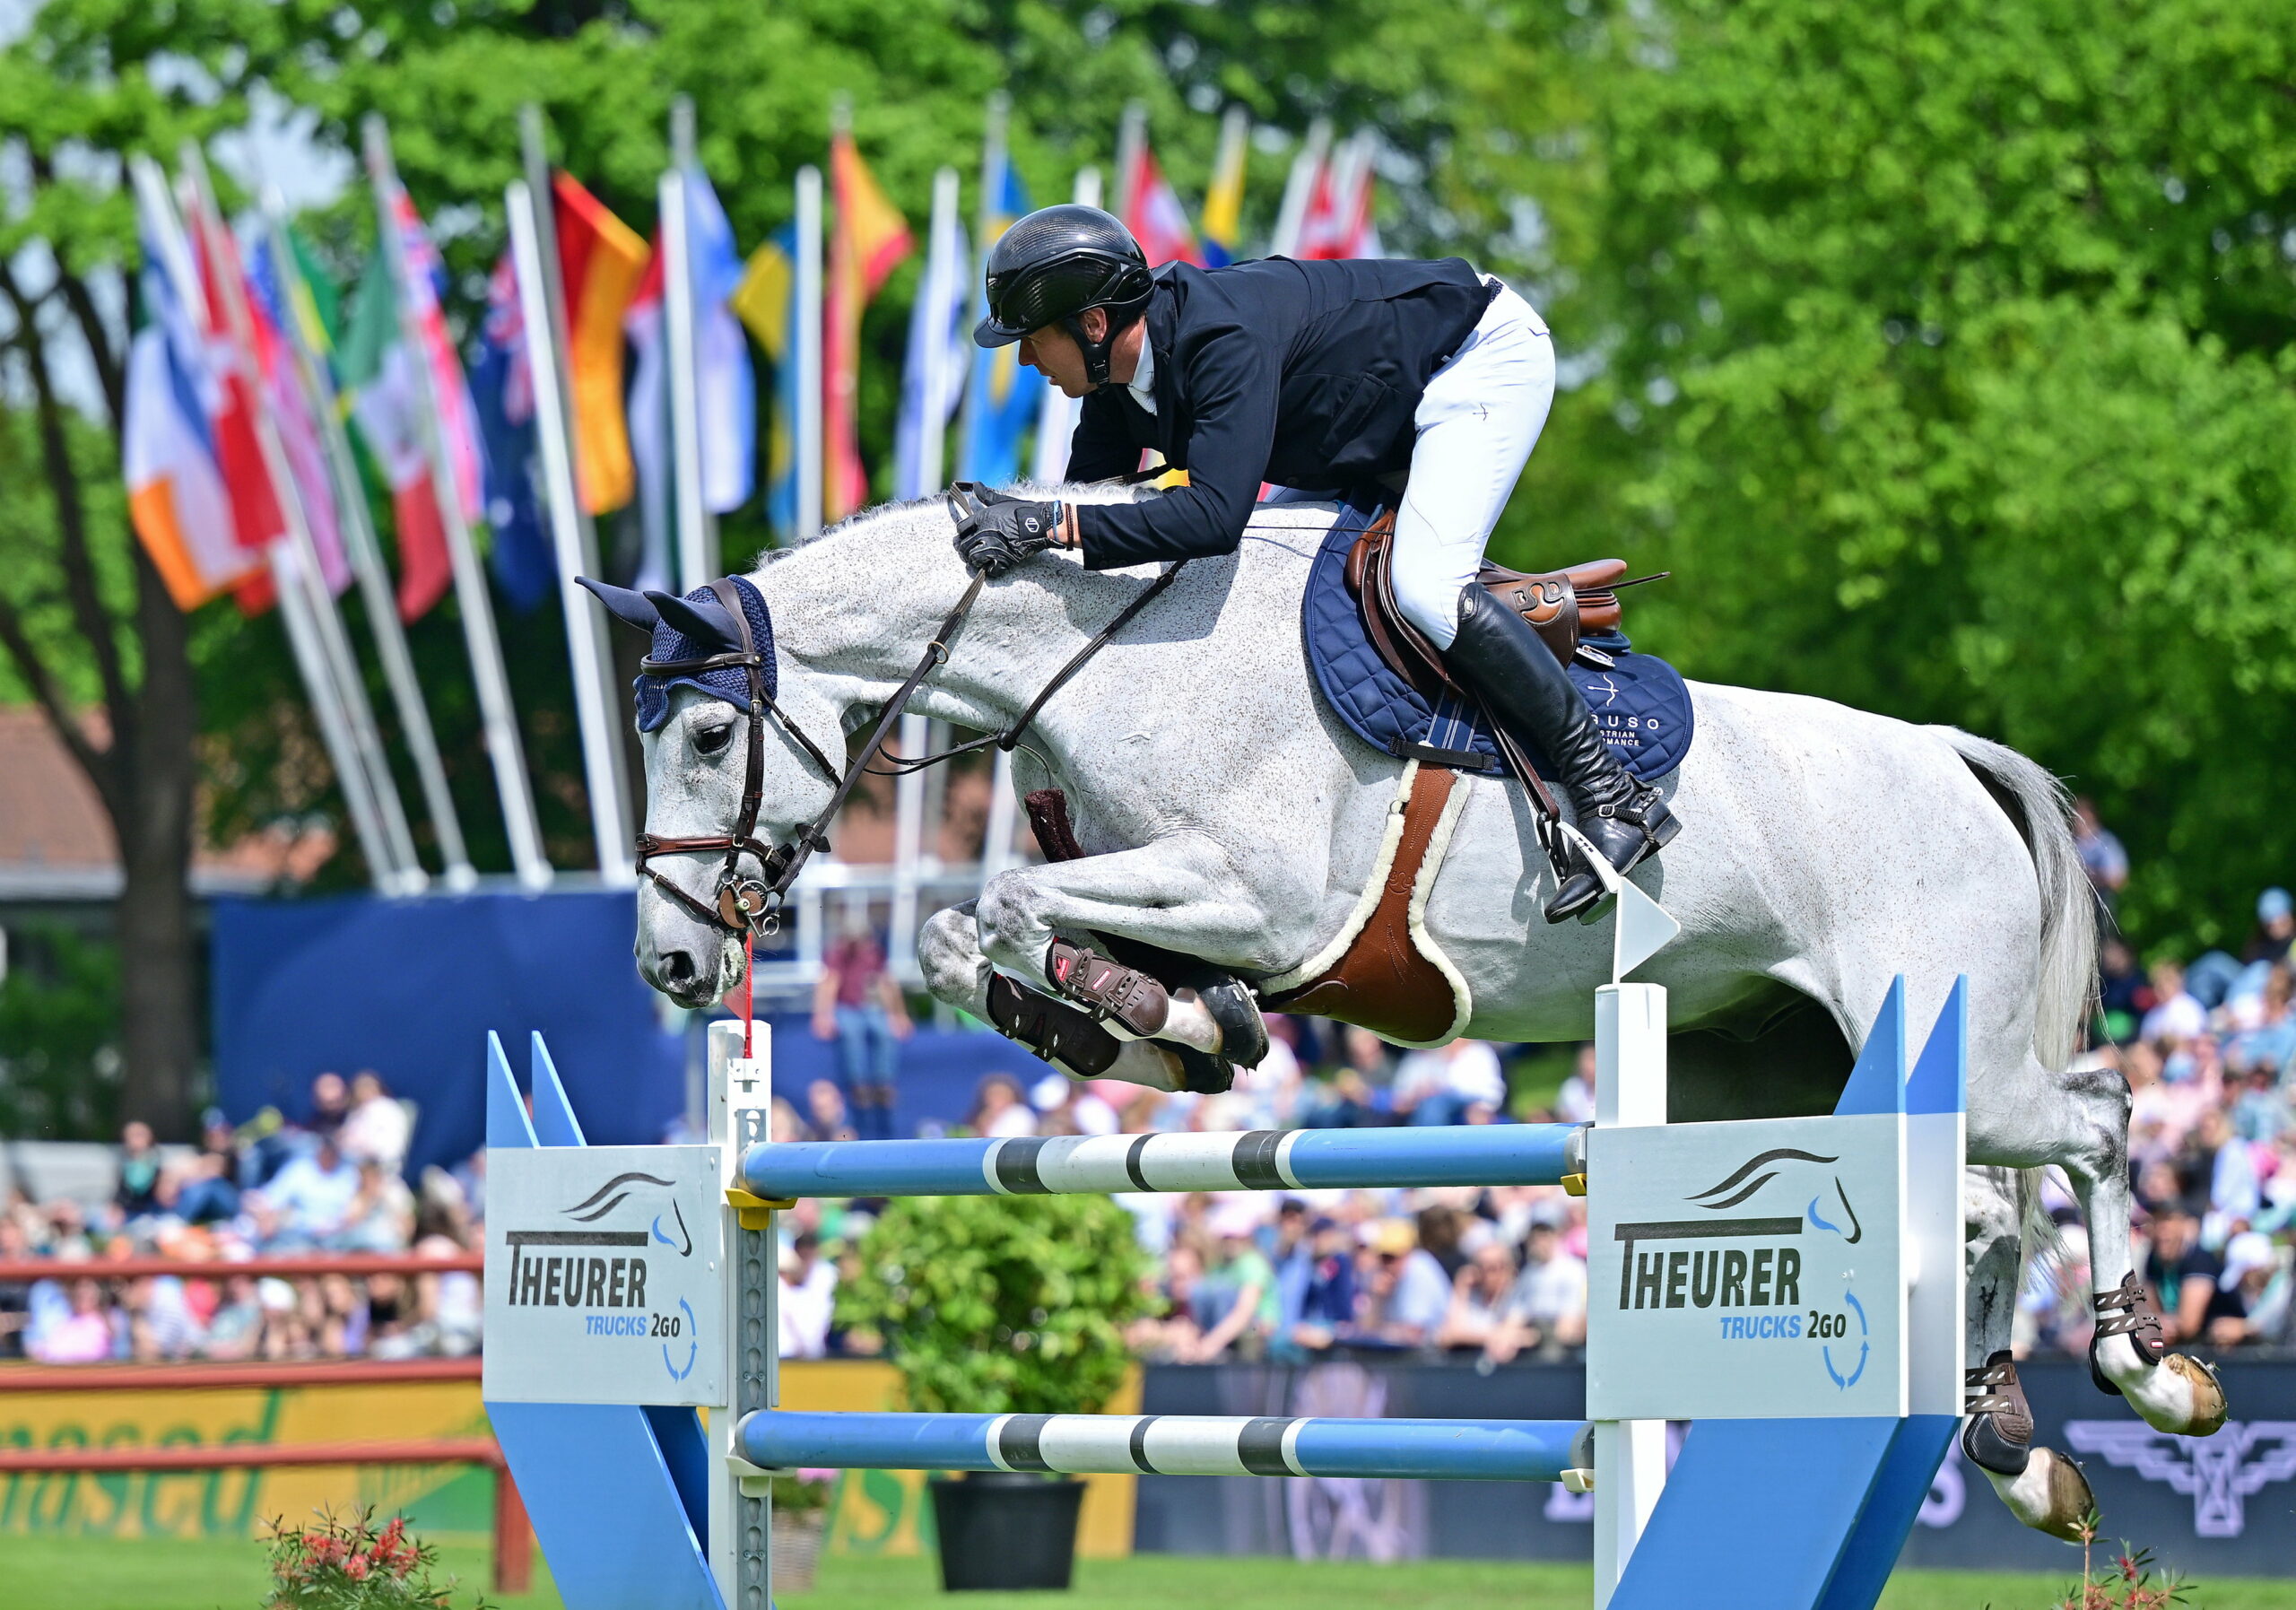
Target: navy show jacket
pixel 1304 374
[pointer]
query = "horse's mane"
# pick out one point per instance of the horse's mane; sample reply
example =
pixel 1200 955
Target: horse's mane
pixel 1088 491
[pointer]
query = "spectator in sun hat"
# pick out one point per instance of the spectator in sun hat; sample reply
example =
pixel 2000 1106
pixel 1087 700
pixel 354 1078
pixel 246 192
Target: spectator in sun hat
pixel 2253 1273
pixel 2276 927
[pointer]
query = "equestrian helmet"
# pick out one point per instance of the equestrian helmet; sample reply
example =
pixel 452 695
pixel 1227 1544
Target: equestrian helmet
pixel 1056 263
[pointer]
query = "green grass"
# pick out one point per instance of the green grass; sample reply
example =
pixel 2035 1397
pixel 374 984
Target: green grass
pixel 47 1573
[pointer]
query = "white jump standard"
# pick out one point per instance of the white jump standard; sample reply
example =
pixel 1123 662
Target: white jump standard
pixel 1818 1426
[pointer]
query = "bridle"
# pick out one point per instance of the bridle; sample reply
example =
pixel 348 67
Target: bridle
pixel 749 905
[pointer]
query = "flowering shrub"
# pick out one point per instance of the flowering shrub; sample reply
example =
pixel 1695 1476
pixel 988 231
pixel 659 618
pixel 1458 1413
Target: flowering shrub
pixel 801 1492
pixel 2125 1582
pixel 346 1564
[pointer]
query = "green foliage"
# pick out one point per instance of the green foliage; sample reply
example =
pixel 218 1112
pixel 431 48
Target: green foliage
pixel 59 1035
pixel 1944 355
pixel 1000 1305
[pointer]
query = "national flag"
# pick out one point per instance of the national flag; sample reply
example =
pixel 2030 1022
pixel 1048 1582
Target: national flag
pixel 601 261
pixel 1153 213
pixel 871 237
pixel 1338 221
pixel 295 413
pixel 256 513
pixel 378 374
pixel 419 292
pixel 1002 398
pixel 767 302
pixel 722 376
pixel 646 322
pixel 502 389
pixel 1223 202
pixel 176 498
pixel 940 338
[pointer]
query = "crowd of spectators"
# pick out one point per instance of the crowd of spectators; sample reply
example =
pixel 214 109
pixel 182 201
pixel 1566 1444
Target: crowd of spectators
pixel 333 1182
pixel 1486 1275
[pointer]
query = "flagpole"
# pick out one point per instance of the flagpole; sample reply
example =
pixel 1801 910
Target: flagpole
pixel 1298 188
pixel 993 158
pixel 940 269
pixel 600 743
pixel 1057 419
pixel 496 713
pixel 1131 137
pixel 696 565
pixel 338 693
pixel 374 581
pixel 605 769
pixel 805 347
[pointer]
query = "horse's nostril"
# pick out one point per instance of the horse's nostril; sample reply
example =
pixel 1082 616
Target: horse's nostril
pixel 678 967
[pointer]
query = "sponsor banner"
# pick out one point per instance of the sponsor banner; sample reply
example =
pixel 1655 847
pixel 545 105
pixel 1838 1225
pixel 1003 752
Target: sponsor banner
pixel 438 1498
pixel 2212 1508
pixel 605 1278
pixel 1747 1270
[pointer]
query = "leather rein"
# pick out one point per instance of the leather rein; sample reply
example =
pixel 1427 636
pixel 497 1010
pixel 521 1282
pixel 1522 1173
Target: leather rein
pixel 752 904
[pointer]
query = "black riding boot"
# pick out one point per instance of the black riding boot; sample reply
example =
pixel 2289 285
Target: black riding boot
pixel 1502 662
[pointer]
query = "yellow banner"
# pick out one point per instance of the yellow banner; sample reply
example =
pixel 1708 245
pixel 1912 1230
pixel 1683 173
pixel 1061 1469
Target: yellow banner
pixel 872 1511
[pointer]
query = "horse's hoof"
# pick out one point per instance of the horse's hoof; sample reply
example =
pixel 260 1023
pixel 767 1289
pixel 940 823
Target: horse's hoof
pixel 2051 1495
pixel 1203 1072
pixel 2207 1415
pixel 2179 1395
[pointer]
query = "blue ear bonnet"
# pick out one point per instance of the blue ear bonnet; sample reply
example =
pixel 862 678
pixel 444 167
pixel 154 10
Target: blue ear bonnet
pixel 729 683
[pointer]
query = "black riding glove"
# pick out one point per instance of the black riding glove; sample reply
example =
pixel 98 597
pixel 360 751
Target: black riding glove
pixel 1003 533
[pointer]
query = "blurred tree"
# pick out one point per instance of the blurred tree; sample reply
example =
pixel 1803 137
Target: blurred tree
pixel 1944 355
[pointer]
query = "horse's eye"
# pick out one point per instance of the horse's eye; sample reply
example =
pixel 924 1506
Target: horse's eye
pixel 712 740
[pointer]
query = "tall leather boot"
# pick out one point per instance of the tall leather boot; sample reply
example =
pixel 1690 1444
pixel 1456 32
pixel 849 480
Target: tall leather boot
pixel 1502 661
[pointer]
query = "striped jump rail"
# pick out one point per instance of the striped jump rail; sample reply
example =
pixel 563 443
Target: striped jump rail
pixel 1448 1451
pixel 1263 1160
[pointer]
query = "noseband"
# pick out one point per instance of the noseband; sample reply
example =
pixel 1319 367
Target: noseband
pixel 752 904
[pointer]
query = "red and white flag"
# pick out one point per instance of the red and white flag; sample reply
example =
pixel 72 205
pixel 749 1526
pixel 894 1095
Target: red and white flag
pixel 1154 215
pixel 1338 221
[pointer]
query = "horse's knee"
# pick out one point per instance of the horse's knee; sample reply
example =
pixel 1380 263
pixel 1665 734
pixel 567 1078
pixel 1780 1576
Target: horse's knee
pixel 1009 923
pixel 948 954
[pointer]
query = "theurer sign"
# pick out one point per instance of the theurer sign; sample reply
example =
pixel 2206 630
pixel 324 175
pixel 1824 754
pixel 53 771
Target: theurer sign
pixel 1747 1270
pixel 604 1276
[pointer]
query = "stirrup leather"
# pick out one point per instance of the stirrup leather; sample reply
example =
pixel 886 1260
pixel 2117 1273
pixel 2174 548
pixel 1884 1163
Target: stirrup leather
pixel 2127 1310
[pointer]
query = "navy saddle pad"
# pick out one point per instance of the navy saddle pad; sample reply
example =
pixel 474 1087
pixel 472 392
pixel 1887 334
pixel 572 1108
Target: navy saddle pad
pixel 1639 700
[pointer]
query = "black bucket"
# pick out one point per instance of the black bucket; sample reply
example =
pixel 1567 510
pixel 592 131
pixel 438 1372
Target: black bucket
pixel 1006 1530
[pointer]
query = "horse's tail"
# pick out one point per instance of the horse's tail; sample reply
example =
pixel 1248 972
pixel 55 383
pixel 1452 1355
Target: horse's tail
pixel 2043 812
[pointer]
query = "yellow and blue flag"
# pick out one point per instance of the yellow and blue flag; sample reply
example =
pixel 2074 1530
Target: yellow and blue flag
pixel 766 301
pixel 1002 401
pixel 1223 202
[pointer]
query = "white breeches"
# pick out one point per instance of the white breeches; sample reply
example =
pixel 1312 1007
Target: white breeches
pixel 1477 421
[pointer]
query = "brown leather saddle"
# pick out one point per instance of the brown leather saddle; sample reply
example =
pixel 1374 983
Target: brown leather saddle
pixel 1562 607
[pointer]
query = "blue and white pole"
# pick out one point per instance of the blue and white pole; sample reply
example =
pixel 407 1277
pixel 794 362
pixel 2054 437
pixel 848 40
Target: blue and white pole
pixel 1265 1160
pixel 1449 1450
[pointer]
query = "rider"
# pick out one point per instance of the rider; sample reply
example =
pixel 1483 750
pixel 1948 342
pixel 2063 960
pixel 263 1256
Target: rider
pixel 1310 374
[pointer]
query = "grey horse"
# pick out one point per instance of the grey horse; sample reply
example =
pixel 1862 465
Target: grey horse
pixel 1227 814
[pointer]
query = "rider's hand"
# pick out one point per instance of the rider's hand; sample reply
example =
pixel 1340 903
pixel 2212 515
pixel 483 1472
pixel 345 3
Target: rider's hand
pixel 1003 534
